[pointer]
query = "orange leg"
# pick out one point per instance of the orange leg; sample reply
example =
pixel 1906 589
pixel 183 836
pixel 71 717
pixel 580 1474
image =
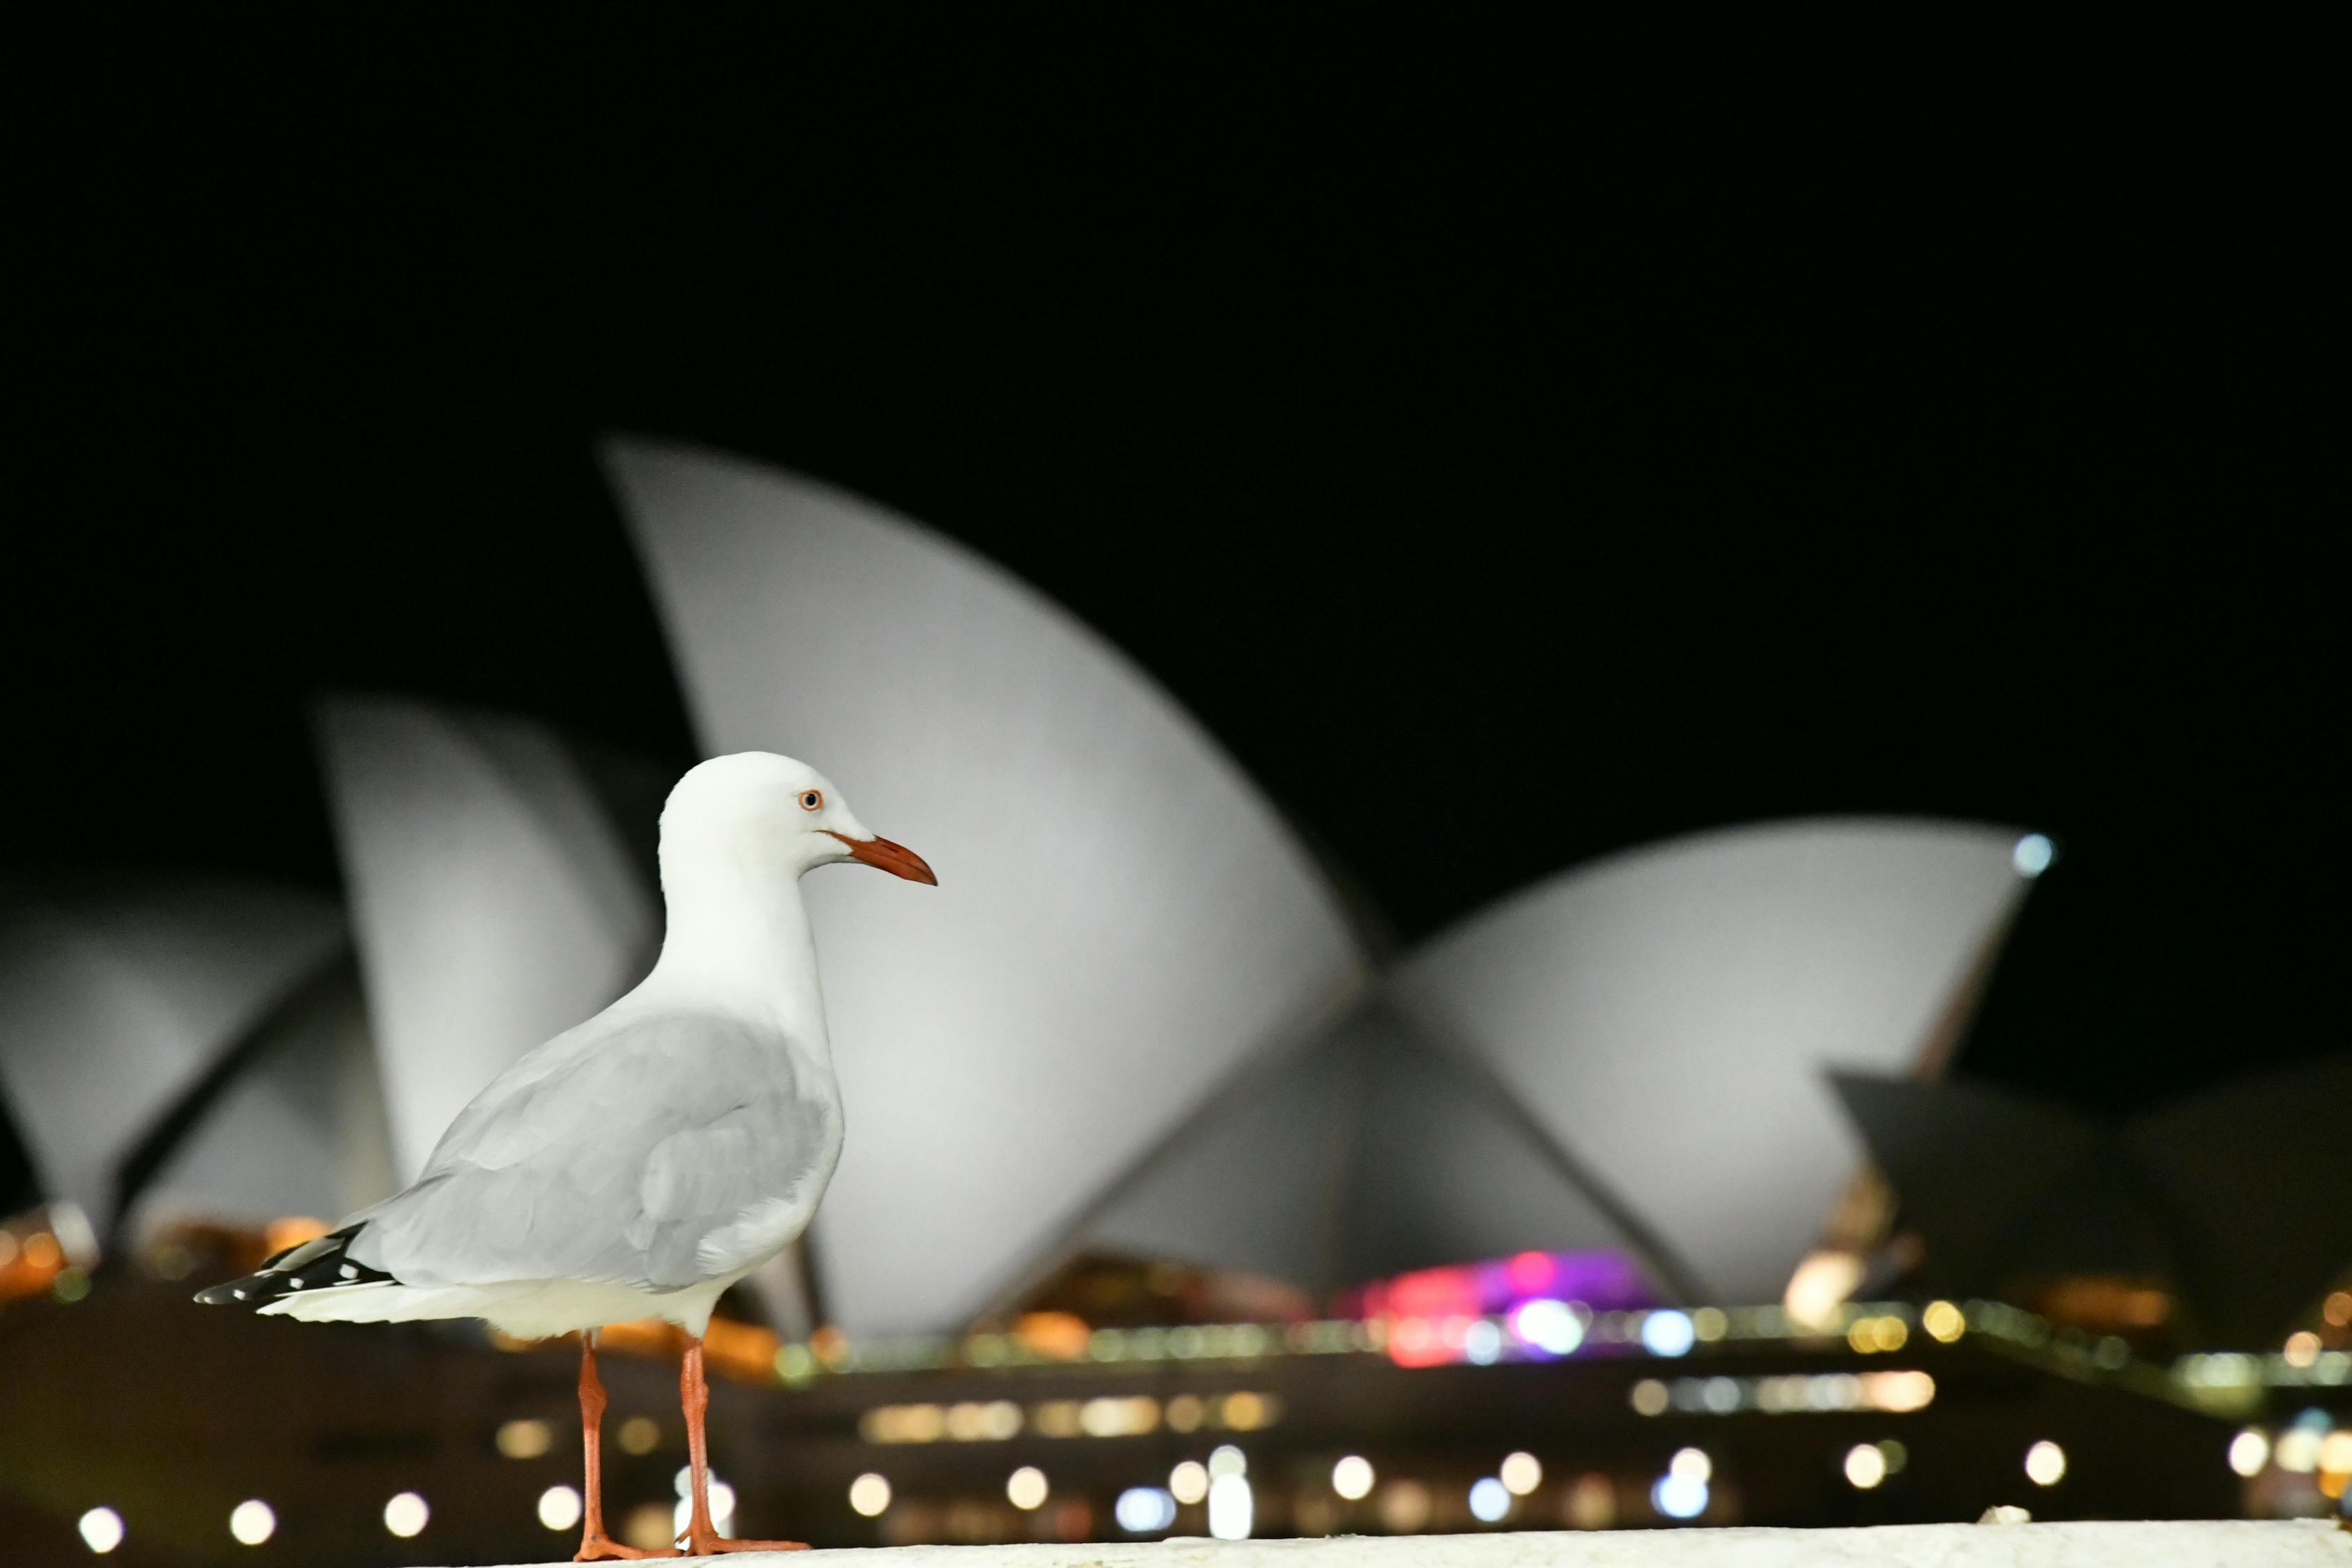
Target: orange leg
pixel 595 1546
pixel 701 1540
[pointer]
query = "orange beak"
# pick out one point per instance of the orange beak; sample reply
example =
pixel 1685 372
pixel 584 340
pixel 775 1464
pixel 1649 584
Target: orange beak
pixel 883 854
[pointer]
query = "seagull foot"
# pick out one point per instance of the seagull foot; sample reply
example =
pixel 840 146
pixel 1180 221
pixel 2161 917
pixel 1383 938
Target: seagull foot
pixel 603 1549
pixel 713 1545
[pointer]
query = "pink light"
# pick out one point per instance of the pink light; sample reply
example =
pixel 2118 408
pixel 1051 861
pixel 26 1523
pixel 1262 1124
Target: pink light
pixel 1434 1293
pixel 1531 1273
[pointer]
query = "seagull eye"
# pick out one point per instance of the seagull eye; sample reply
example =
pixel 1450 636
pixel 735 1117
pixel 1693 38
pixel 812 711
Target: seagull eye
pixel 811 800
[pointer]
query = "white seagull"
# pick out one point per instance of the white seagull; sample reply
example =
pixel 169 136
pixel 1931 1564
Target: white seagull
pixel 639 1164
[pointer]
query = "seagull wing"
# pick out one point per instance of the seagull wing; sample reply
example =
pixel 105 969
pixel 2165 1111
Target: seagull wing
pixel 658 1149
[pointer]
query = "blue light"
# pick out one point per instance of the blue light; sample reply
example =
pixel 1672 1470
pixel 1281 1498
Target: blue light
pixel 1482 1343
pixel 1669 1333
pixel 2032 855
pixel 1679 1496
pixel 1490 1499
pixel 1141 1510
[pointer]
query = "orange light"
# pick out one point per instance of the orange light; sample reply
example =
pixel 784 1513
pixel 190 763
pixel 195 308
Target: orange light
pixel 746 1352
pixel 645 1336
pixel 2103 1301
pixel 37 1262
pixel 292 1231
pixel 1058 1336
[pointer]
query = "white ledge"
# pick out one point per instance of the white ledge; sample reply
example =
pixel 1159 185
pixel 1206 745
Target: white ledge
pixel 2197 1543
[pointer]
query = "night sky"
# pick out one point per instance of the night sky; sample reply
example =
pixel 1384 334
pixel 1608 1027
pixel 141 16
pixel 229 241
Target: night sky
pixel 1462 431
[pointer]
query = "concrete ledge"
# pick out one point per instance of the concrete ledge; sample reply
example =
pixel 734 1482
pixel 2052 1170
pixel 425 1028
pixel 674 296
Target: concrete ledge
pixel 2192 1544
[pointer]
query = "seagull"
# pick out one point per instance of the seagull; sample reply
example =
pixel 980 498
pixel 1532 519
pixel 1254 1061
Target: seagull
pixel 637 1165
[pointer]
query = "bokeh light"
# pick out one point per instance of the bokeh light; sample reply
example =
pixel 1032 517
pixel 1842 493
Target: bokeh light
pixel 1144 1510
pixel 101 1529
pixel 870 1494
pixel 1025 1488
pixel 253 1521
pixel 1866 1466
pixel 1669 1333
pixel 2045 1464
pixel 559 1507
pixel 406 1514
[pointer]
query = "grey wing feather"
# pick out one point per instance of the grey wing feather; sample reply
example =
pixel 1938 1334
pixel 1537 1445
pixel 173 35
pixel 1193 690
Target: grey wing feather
pixel 632 1152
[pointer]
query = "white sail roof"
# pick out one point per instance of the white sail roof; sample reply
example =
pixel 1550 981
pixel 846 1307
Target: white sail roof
pixel 1120 917
pixel 299 1130
pixel 118 995
pixel 494 902
pixel 1671 1014
pixel 1366 1154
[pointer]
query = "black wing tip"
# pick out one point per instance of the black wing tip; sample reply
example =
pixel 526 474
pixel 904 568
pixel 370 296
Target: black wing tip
pixel 312 1265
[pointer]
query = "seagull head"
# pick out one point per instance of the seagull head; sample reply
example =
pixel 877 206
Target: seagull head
pixel 774 813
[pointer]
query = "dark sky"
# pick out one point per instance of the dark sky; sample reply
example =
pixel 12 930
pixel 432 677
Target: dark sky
pixel 1457 425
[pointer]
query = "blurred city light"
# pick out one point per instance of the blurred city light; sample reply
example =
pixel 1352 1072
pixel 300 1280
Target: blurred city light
pixel 1592 1503
pixel 1522 1473
pixel 1026 1488
pixel 1404 1507
pixel 2249 1450
pixel 1944 1321
pixel 1820 1286
pixel 1547 1325
pixel 524 1439
pixel 1490 1499
pixel 639 1435
pixel 2032 855
pixel 1691 1462
pixel 252 1522
pixel 721 1497
pixel 1678 1497
pixel 1188 1481
pixel 1878 1335
pixel 1229 1507
pixel 1866 1466
pixel 1352 1478
pixel 1667 1334
pixel 101 1529
pixel 1224 1459
pixel 650 1526
pixel 2045 1464
pixel 406 1514
pixel 559 1507
pixel 1144 1510
pixel 870 1494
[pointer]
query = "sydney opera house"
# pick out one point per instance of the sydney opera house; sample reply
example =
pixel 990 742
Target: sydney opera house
pixel 1175 1200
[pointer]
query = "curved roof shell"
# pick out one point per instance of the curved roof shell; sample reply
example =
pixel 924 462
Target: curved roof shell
pixel 120 995
pixel 1121 918
pixel 496 896
pixel 1670 1014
